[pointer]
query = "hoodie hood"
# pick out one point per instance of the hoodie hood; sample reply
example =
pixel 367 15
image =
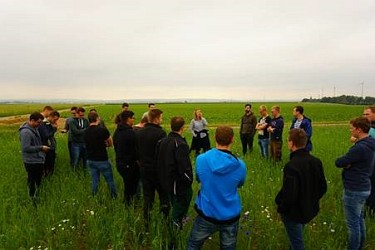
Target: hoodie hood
pixel 31 145
pixel 367 142
pixel 223 162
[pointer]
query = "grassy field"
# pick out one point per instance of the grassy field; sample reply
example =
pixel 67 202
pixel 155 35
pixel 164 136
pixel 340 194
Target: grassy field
pixel 68 217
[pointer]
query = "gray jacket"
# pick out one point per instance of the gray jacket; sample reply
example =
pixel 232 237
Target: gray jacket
pixel 31 145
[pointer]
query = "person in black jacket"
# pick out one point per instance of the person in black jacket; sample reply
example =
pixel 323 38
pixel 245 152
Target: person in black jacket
pixel 47 132
pixel 124 140
pixel 147 140
pixel 175 170
pixel 304 184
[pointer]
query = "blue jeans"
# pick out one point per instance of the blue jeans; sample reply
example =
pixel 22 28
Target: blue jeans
pixel 263 145
pixel 78 152
pixel 354 202
pixel 202 229
pixel 295 233
pixel 104 167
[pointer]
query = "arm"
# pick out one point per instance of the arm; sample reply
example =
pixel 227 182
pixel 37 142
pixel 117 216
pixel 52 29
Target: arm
pixel 191 128
pixel 288 195
pixel 109 142
pixel 204 121
pixel 183 163
pixel 353 155
pixel 27 144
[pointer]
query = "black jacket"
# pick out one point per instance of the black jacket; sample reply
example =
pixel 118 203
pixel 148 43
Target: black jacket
pixel 147 139
pixel 304 184
pixel 173 164
pixel 125 144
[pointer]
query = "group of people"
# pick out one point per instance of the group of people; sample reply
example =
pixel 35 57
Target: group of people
pixel 147 156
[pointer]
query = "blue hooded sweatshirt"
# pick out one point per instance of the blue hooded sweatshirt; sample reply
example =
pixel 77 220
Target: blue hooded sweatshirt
pixel 220 174
pixel 358 165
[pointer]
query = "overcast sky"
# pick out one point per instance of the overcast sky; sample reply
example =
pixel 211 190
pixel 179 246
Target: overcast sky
pixel 150 49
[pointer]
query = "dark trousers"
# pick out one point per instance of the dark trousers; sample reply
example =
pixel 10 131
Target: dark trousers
pixel 247 142
pixel 276 150
pixel 130 176
pixel 180 205
pixel 49 164
pixel 150 184
pixel 34 177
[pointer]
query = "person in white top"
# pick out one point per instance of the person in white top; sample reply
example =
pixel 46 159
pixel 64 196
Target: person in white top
pixel 201 138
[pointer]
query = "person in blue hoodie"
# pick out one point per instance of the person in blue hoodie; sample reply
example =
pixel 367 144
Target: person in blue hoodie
pixel 218 204
pixel 33 151
pixel 303 122
pixel 358 166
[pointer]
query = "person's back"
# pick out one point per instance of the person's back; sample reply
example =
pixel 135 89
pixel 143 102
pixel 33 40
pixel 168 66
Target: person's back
pixel 218 203
pixel 307 171
pixel 220 174
pixel 147 138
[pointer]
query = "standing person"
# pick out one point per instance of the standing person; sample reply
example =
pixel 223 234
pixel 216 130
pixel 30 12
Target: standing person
pixel 175 170
pixel 125 143
pixel 151 106
pixel 276 129
pixel 101 121
pixel 247 129
pixel 141 124
pixel 218 203
pixel 77 128
pixel 147 139
pixel 124 107
pixel 201 139
pixel 303 122
pixel 369 114
pixel 33 151
pixel 303 173
pixel 47 132
pixel 358 166
pixel 263 134
pixel 73 112
pixel 97 139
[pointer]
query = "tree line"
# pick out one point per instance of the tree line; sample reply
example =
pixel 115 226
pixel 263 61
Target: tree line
pixel 343 99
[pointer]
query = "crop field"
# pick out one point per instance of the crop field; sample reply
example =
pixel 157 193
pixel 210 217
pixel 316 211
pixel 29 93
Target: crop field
pixel 68 217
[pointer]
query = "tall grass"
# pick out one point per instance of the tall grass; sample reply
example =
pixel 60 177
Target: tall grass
pixel 66 216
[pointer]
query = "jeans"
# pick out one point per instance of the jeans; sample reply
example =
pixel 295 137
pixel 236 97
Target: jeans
pixel 263 145
pixel 104 167
pixel 202 229
pixel 247 141
pixel 34 177
pixel 295 233
pixel 354 213
pixel 78 152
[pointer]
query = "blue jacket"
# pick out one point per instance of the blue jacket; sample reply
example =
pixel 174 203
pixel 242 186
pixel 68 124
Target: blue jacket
pixel 305 125
pixel 358 165
pixel 31 145
pixel 220 174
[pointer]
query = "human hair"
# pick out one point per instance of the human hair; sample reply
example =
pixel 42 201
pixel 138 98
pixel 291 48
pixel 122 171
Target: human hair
pixel 54 113
pixel 361 123
pixel 47 108
pixel 93 117
pixel 263 107
pixel 277 108
pixel 196 113
pixel 372 108
pixel 247 105
pixel 144 119
pixel 125 104
pixel 224 135
pixel 35 116
pixel 298 137
pixel 93 110
pixel 154 114
pixel 177 123
pixel 125 115
pixel 74 108
pixel 151 104
pixel 299 109
pixel 81 109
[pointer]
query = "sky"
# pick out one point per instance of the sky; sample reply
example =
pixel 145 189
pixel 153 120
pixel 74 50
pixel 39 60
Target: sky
pixel 195 49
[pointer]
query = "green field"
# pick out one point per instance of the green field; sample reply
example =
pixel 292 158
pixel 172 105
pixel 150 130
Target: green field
pixel 68 217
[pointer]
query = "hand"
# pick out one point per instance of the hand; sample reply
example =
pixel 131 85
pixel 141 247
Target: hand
pixel 353 139
pixel 45 148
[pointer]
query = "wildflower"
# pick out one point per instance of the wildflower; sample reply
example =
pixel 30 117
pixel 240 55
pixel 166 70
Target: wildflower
pixel 332 230
pixel 59 225
pixel 324 223
pixel 92 212
pixel 66 220
pixel 53 229
pixel 248 232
